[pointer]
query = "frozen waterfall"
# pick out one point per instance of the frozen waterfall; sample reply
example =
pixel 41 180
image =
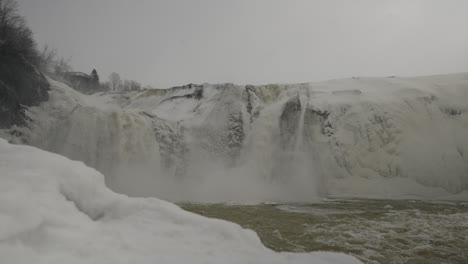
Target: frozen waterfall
pixel 365 137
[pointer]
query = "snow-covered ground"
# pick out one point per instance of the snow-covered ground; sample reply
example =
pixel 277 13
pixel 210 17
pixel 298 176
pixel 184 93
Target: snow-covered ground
pixel 361 137
pixel 54 210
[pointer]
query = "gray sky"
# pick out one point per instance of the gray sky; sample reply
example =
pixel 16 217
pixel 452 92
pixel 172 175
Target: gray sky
pixel 172 42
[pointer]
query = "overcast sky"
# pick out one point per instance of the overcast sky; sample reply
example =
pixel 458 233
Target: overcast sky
pixel 173 42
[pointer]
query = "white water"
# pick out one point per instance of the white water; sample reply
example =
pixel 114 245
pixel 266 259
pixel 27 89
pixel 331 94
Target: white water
pixel 371 137
pixel 300 125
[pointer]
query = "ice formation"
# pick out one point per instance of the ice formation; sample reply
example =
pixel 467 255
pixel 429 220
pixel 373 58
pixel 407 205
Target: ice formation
pixel 368 137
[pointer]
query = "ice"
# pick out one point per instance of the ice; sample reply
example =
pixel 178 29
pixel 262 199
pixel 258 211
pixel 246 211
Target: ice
pixel 359 137
pixel 54 210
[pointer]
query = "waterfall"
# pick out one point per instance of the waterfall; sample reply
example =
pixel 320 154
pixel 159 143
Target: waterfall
pixel 267 143
pixel 218 159
pixel 306 177
pixel 300 125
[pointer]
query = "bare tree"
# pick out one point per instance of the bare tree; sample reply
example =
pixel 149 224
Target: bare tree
pixel 125 85
pixel 131 85
pixel 114 79
pixel 9 17
pixel 105 86
pixel 62 66
pixel 47 59
pixel 135 86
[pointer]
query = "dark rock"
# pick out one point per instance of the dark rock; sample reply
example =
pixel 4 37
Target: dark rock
pixel 317 116
pixel 197 93
pixel 249 96
pixel 289 121
pixel 235 135
pixel 172 146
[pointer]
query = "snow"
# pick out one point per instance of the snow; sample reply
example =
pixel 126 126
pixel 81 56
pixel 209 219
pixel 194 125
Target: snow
pixel 360 137
pixel 54 210
pixel 399 139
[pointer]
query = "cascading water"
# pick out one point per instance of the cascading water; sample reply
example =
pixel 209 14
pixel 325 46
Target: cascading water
pixel 300 125
pixel 305 177
pixel 259 143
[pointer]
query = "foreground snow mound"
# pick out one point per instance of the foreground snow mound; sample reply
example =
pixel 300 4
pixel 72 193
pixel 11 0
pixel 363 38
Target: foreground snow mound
pixel 53 210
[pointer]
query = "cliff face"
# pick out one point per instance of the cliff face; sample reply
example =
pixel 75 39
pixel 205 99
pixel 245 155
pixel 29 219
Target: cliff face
pixel 21 85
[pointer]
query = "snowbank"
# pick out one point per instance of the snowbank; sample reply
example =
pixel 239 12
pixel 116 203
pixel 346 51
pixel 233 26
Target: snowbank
pixel 54 210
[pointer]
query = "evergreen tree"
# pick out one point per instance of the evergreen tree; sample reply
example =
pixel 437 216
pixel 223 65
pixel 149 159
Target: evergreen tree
pixel 95 76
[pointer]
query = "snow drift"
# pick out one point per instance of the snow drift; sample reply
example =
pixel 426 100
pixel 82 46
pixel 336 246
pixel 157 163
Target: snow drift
pixel 53 210
pixel 369 137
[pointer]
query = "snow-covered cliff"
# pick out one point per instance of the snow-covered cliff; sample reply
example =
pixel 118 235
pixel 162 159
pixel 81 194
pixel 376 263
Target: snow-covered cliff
pixel 379 137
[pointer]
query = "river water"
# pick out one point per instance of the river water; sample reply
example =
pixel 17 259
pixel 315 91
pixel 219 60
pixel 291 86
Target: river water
pixel 375 231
